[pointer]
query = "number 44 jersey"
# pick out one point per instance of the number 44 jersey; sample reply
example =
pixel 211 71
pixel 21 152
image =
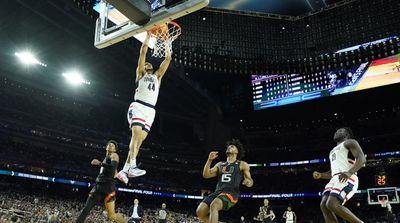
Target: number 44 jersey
pixel 229 178
pixel 147 89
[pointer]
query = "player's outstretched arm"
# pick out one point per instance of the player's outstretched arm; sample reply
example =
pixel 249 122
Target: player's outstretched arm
pixel 326 175
pixel 358 154
pixel 142 57
pixel 248 181
pixel 272 215
pixel 209 172
pixel 164 65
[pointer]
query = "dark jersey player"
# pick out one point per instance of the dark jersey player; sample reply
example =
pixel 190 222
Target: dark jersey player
pixel 231 174
pixel 105 186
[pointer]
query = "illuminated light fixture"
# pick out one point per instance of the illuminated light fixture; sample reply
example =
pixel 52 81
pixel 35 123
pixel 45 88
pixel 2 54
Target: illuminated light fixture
pixel 28 58
pixel 75 78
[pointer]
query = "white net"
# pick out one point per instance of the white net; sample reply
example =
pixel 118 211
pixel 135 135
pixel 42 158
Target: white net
pixel 383 203
pixel 164 35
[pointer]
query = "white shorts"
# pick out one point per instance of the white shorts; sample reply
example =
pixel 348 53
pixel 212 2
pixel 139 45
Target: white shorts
pixel 342 191
pixel 141 115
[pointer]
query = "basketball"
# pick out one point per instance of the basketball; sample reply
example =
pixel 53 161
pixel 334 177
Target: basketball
pixel 160 32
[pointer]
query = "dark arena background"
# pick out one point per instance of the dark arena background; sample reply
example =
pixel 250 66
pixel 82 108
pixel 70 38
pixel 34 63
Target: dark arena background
pixel 281 76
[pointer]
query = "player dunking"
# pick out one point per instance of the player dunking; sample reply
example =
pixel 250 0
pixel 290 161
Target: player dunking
pixel 343 177
pixel 141 112
pixel 230 175
pixel 105 186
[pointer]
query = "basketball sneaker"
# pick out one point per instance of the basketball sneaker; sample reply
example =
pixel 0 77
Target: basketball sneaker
pixel 136 172
pixel 123 177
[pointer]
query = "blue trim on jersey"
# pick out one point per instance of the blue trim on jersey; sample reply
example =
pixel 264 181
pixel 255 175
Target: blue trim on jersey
pixel 145 103
pixel 348 188
pixel 137 124
pixel 144 128
pixel 326 193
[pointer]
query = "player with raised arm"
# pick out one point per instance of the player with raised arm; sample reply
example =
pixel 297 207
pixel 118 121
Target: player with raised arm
pixel 141 111
pixel 230 175
pixel 343 177
pixel 105 185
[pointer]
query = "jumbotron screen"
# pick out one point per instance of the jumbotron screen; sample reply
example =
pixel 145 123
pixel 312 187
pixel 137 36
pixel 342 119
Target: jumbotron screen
pixel 276 90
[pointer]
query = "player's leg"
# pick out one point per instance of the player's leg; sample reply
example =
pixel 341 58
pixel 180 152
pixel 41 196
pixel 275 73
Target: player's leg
pixel 215 207
pixel 136 142
pixel 110 207
pixel 335 205
pixel 93 199
pixel 136 120
pixel 342 193
pixel 148 115
pixel 203 211
pixel 130 162
pixel 143 137
pixel 329 216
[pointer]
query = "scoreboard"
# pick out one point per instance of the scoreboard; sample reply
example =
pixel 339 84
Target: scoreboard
pixel 273 90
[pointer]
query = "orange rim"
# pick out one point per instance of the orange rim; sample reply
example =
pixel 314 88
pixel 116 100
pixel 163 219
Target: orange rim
pixel 174 24
pixel 168 23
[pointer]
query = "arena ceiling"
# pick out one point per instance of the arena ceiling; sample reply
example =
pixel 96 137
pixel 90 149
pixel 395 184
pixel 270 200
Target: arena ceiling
pixel 61 35
pixel 280 7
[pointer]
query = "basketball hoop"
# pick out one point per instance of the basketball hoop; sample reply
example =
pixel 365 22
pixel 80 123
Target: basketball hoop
pixel 164 35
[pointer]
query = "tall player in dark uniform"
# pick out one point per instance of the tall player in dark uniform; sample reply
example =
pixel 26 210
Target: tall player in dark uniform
pixel 268 213
pixel 105 185
pixel 230 175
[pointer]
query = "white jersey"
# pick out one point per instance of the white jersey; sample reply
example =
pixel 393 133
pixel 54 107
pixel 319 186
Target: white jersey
pixel 147 89
pixel 289 216
pixel 339 159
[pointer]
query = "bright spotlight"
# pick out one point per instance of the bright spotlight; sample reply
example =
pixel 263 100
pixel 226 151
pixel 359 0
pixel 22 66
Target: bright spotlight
pixel 75 78
pixel 28 58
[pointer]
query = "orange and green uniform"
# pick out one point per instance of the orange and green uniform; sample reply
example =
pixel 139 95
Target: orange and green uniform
pixel 228 188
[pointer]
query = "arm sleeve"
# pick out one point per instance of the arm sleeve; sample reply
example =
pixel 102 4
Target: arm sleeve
pixel 130 211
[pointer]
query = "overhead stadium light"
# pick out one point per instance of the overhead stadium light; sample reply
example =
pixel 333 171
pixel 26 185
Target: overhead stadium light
pixel 28 58
pixel 75 78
